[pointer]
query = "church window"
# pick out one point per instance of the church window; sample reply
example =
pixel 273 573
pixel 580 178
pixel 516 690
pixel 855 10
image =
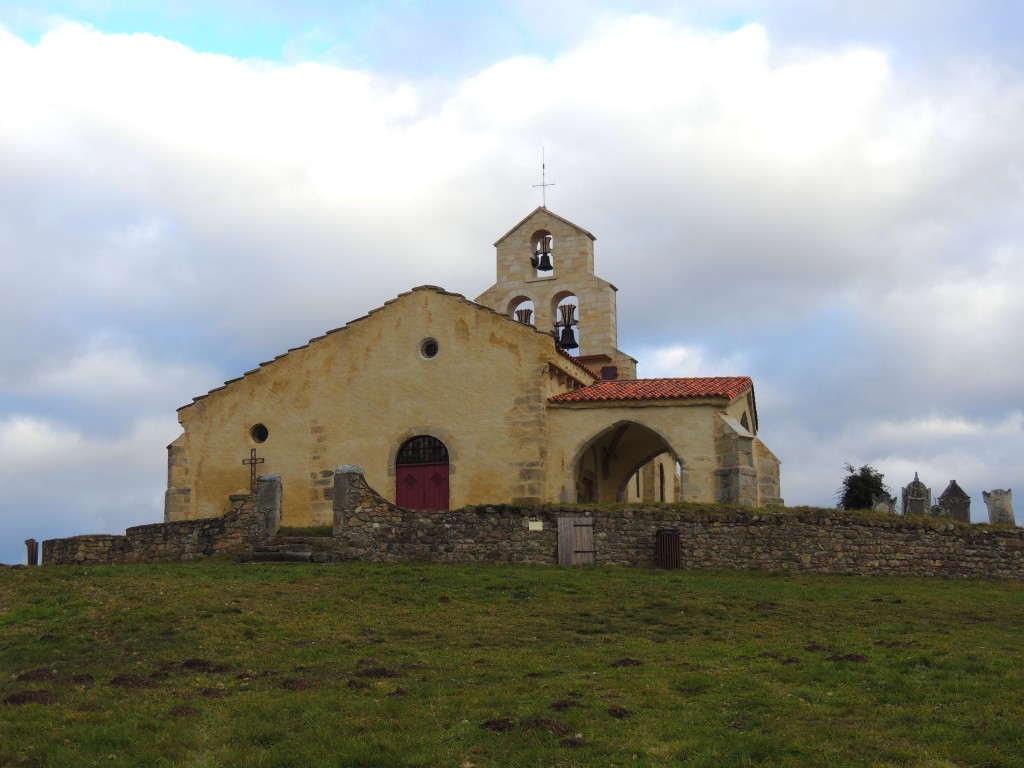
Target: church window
pixel 661 482
pixel 259 433
pixel 429 348
pixel 744 422
pixel 422 449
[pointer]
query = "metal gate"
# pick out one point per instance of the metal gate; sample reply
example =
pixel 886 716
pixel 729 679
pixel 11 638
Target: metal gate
pixel 575 541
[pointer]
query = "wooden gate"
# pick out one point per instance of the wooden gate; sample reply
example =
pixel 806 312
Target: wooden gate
pixel 422 486
pixel 575 541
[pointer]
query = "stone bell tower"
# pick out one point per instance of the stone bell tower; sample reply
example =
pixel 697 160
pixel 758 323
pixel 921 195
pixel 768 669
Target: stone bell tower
pixel 546 265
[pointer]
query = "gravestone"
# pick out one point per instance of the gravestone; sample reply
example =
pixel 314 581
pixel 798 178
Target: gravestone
pixel 883 503
pixel 955 503
pixel 917 498
pixel 1000 506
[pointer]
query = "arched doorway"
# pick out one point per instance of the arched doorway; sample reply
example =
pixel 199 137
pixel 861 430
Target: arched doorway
pixel 421 474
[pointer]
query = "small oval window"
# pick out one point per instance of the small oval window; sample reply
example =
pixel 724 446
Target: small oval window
pixel 259 433
pixel 429 348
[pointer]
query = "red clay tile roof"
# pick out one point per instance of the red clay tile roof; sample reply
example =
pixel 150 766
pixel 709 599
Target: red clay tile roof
pixel 728 387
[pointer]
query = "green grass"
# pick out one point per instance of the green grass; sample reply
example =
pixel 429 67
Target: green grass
pixel 231 664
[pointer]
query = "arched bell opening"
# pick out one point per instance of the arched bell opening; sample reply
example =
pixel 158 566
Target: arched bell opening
pixel 421 474
pixel 565 309
pixel 542 249
pixel 605 464
pixel 522 309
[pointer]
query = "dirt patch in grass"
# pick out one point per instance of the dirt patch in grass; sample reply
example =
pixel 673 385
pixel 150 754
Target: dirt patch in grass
pixel 896 643
pixel 214 693
pixel 207 666
pixel 380 672
pixel 816 648
pixel 296 684
pixel 182 710
pixel 83 679
pixel 549 724
pixel 399 692
pixel 498 725
pixel 358 685
pixel 564 704
pixel 37 675
pixel 31 697
pixel 627 662
pixel 619 712
pixel 573 741
pixel 125 680
pixel 853 658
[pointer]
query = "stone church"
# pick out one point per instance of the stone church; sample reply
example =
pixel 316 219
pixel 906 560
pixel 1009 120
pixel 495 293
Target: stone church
pixel 521 396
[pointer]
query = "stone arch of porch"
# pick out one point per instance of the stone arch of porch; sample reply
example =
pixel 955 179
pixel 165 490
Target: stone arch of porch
pixel 612 455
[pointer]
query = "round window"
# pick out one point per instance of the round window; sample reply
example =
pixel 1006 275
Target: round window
pixel 259 433
pixel 429 348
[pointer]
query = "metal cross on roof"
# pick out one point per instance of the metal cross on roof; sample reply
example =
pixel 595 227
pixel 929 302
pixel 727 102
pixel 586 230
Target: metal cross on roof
pixel 543 181
pixel 252 461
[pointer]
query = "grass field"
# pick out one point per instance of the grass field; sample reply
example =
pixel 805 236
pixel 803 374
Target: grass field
pixel 235 664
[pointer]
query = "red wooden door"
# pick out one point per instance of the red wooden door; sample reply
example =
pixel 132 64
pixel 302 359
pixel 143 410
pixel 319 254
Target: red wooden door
pixel 422 486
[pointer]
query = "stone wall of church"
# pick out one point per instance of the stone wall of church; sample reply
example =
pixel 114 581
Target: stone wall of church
pixel 238 532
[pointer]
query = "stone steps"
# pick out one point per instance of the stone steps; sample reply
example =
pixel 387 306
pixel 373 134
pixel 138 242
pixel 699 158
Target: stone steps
pixel 295 549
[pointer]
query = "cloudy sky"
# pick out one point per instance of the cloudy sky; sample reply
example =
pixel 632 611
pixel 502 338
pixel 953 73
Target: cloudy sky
pixel 828 197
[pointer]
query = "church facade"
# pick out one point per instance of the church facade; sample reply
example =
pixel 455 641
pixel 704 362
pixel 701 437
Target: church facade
pixel 446 402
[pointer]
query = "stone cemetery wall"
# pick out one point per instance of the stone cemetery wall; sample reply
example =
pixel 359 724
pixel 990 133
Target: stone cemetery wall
pixel 367 527
pixel 239 531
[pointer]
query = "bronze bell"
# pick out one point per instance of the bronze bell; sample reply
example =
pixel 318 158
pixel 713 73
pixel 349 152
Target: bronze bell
pixel 543 263
pixel 568 339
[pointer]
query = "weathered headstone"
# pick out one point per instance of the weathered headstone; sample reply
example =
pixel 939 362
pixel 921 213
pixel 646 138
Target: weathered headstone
pixel 883 503
pixel 917 498
pixel 1000 506
pixel 955 503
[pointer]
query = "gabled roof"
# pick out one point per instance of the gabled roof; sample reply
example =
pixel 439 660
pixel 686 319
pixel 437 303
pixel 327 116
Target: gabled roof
pixel 533 213
pixel 522 327
pixel 726 387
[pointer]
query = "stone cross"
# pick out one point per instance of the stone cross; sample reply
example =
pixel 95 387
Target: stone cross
pixel 252 461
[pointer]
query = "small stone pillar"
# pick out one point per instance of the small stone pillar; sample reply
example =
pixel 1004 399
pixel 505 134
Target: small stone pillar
pixel 268 504
pixel 346 480
pixel 33 551
pixel 1000 506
